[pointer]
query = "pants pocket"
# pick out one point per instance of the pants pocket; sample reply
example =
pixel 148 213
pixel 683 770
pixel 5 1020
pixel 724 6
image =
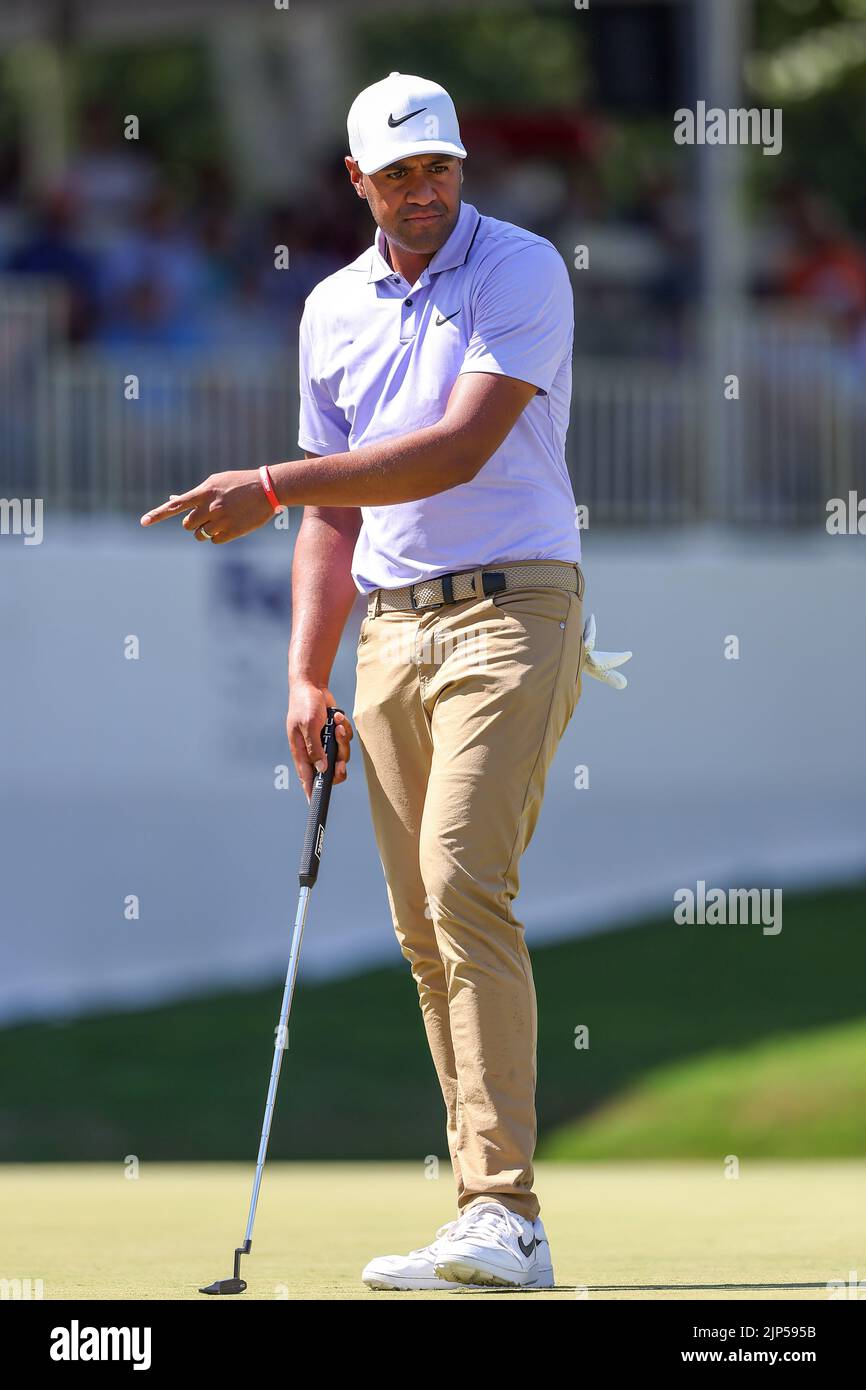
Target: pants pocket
pixel 536 602
pixel 578 685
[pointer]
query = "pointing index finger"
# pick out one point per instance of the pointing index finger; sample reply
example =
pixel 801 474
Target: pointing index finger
pixel 180 502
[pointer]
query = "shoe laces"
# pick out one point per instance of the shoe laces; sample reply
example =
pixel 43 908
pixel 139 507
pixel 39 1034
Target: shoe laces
pixel 443 1231
pixel 492 1219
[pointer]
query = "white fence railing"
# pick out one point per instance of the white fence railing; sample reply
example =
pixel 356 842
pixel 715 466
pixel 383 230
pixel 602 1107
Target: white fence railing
pixel 792 428
pixel 75 431
pixel 633 443
pixel 32 326
pixel 120 436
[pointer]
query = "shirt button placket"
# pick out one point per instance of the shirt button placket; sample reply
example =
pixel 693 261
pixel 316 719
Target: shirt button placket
pixel 407 320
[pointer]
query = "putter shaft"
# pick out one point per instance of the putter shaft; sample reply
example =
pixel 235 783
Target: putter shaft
pixel 310 859
pixel 280 1046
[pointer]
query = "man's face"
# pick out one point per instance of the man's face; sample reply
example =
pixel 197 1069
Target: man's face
pixel 415 201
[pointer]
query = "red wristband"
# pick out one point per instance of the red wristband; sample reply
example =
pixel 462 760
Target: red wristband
pixel 269 488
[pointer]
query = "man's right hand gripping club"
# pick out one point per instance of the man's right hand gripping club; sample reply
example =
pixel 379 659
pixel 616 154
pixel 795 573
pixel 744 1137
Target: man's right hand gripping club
pixel 307 716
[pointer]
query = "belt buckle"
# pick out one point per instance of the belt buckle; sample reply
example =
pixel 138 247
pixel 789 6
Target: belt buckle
pixel 498 581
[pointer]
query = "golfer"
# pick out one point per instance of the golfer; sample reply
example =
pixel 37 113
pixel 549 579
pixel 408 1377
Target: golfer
pixel 435 382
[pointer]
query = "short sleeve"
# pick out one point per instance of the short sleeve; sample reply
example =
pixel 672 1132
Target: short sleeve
pixel 524 318
pixel 322 427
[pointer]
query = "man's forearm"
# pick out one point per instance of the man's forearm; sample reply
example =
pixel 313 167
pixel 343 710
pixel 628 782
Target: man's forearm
pixel 404 469
pixel 323 594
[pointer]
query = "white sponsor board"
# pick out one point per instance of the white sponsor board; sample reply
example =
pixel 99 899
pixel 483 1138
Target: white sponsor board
pixel 146 852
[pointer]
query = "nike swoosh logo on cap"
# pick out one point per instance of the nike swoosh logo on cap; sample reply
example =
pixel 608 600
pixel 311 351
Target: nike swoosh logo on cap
pixel 447 317
pixel 398 120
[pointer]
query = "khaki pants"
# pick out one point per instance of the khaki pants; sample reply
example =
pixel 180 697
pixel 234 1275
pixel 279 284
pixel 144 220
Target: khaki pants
pixel 458 712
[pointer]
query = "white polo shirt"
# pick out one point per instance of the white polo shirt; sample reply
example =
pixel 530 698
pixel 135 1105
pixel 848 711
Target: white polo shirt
pixel 378 359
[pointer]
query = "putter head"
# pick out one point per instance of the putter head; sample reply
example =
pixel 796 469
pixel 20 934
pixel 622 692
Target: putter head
pixel 224 1286
pixel 236 1284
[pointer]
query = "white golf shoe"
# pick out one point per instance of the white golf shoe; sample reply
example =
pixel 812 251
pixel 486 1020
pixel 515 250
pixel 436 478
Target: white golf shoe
pixel 489 1244
pixel 412 1271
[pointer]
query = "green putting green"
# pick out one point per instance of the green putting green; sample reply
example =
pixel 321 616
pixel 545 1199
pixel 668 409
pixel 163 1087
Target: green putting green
pixel 618 1231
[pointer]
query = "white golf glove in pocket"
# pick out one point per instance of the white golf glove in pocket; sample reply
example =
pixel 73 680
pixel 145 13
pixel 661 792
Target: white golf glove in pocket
pixel 601 665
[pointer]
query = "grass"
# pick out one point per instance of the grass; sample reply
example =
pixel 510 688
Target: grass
pixel 624 1232
pixel 802 1093
pixel 702 1041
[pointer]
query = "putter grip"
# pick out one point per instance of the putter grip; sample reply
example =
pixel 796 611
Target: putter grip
pixel 319 799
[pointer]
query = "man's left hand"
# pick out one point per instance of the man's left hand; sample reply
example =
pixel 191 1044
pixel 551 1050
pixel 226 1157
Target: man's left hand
pixel 226 505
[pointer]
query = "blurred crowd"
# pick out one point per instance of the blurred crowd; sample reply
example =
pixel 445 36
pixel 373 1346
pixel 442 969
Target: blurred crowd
pixel 144 263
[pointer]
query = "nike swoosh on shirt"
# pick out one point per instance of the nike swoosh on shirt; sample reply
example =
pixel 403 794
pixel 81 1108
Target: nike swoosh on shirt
pixel 398 120
pixel 447 317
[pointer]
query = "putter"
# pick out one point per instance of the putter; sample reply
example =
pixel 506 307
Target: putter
pixel 311 856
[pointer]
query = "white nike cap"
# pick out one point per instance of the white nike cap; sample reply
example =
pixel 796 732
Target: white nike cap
pixel 401 116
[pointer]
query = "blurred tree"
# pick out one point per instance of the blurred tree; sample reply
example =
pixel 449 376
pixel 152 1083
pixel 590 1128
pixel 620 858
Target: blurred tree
pixel 809 58
pixel 493 57
pixel 168 87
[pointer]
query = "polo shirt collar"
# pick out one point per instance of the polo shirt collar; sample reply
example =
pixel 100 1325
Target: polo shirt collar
pixel 453 253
